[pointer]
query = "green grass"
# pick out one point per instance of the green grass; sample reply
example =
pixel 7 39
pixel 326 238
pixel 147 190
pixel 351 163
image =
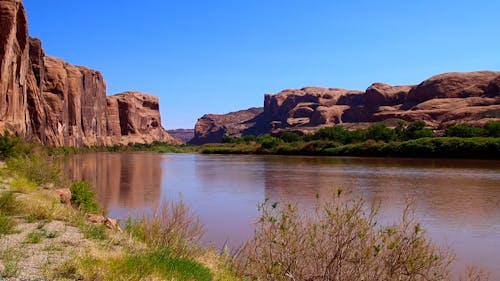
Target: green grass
pixel 7 224
pixel 34 237
pixel 39 167
pixel 39 233
pixel 147 265
pixel 22 185
pixel 9 205
pixel 92 231
pixel 161 263
pixel 83 197
pixel 10 258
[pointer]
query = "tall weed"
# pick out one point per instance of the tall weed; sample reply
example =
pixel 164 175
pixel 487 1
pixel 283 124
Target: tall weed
pixel 339 240
pixel 38 167
pixel 170 226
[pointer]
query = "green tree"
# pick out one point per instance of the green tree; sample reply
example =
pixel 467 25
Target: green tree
pixel 493 129
pixel 380 132
pixel 464 131
pixel 290 137
pixel 335 133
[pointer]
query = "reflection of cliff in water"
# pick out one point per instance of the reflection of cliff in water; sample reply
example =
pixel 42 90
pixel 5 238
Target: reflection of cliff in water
pixel 453 190
pixel 122 180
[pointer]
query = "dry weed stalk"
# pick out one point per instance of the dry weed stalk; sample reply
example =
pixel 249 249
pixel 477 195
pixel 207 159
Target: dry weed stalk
pixel 172 226
pixel 338 240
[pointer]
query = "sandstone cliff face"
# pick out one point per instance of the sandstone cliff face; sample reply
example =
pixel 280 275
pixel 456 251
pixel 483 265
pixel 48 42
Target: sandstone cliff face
pixel 212 127
pixel 45 99
pixel 14 67
pixel 441 101
pixel 135 117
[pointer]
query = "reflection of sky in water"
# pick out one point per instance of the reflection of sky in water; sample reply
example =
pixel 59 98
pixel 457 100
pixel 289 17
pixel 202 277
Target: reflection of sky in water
pixel 458 201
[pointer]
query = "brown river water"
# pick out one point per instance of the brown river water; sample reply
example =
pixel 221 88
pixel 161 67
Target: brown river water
pixel 457 201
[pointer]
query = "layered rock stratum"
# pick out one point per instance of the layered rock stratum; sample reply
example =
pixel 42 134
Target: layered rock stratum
pixel 46 99
pixel 471 98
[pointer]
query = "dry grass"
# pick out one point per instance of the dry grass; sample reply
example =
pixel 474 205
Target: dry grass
pixel 339 240
pixel 45 205
pixel 170 226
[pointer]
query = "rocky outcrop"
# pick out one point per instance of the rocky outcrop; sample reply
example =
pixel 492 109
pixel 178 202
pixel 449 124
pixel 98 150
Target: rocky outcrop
pixel 212 127
pixel 14 67
pixel 441 101
pixel 134 117
pixel 184 134
pixel 45 99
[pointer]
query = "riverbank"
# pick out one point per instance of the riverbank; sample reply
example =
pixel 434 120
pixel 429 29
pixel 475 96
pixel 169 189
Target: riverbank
pixel 442 147
pixel 412 140
pixel 53 229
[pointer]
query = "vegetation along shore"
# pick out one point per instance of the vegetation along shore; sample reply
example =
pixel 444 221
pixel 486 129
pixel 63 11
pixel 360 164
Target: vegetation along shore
pixel 404 140
pixel 53 229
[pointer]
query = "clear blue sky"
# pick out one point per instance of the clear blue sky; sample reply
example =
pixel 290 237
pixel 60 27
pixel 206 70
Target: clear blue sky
pixel 216 56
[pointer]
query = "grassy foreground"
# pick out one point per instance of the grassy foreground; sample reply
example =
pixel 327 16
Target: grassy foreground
pixel 52 229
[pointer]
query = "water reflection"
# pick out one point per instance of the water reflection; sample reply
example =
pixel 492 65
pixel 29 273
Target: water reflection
pixel 457 201
pixel 124 181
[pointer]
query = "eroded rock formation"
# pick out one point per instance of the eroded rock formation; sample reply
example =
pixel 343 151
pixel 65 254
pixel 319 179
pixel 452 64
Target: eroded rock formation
pixel 184 134
pixel 441 101
pixel 135 117
pixel 212 127
pixel 45 99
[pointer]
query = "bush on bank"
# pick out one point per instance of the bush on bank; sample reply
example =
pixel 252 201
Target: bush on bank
pixel 412 140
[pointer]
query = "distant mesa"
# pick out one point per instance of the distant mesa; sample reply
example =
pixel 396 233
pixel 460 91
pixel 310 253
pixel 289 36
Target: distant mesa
pixel 210 128
pixel 48 100
pixel 184 135
pixel 441 101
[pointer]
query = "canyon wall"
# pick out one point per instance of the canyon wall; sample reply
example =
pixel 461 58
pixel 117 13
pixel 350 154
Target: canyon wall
pixel 45 99
pixel 210 128
pixel 441 101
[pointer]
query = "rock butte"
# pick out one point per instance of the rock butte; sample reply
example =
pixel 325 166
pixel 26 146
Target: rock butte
pixel 441 101
pixel 47 100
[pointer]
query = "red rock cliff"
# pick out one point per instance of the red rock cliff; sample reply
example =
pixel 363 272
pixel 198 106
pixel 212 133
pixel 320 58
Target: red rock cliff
pixel 441 101
pixel 45 99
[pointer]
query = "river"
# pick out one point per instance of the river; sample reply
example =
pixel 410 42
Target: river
pixel 457 201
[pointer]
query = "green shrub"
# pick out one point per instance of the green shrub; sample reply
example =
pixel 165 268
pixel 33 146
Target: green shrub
pixel 268 142
pixel 380 132
pixel 249 138
pixel 493 129
pixel 83 198
pixel 290 137
pixel 335 133
pixel 464 131
pixel 8 144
